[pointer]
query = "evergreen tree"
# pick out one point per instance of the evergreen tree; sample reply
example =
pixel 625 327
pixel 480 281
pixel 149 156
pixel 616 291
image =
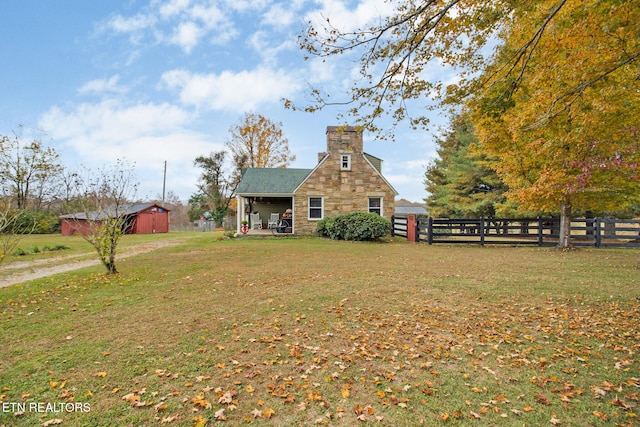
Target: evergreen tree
pixel 460 182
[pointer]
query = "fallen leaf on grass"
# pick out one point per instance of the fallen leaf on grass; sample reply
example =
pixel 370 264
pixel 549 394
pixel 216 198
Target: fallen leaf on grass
pixel 199 421
pixel 219 415
pixel 52 422
pixel 599 392
pixel 555 421
pixel 170 419
pixel 620 403
pixel 227 397
pixel 200 401
pixel 345 391
pixel 268 413
pixel 367 410
pixel 600 415
pixel 132 398
pixel 542 399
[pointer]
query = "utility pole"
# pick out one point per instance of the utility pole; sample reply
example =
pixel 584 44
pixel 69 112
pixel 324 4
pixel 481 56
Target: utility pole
pixel 164 181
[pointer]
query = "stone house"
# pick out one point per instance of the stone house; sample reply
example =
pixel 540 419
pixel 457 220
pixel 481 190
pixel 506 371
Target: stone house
pixel 346 179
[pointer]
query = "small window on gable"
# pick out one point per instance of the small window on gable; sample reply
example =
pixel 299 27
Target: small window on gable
pixel 316 208
pixel 345 162
pixel 375 205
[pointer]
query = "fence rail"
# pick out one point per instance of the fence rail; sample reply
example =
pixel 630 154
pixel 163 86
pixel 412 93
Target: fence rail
pixel 597 232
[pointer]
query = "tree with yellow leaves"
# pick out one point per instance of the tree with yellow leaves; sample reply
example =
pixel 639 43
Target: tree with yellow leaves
pixel 257 142
pixel 563 125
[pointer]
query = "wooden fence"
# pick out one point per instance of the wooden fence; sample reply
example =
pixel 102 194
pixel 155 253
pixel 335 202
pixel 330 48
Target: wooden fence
pixel 597 232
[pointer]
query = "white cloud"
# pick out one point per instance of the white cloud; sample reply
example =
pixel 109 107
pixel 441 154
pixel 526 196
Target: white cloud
pixel 147 134
pixel 262 43
pixel 280 15
pixel 244 5
pixel 133 24
pixel 345 19
pixel 321 71
pixel 229 91
pixel 187 35
pixel 100 86
pixel 173 7
pixel 211 16
pixel 184 23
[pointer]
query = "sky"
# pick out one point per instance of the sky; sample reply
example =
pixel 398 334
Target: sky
pixel 155 81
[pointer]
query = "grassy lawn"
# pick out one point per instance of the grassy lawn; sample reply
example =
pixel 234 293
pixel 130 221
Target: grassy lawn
pixel 47 251
pixel 285 331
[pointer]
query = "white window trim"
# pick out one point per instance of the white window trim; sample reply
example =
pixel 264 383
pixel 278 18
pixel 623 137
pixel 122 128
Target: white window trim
pixel 348 167
pixel 381 203
pixel 309 208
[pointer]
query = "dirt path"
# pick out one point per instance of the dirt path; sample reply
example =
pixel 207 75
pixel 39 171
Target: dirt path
pixel 37 269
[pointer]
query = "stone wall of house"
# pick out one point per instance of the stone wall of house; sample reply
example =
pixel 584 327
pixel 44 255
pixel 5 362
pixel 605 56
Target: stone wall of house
pixel 342 191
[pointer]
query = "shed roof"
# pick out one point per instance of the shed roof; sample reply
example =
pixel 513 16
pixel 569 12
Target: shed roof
pixel 404 210
pixel 125 209
pixel 271 180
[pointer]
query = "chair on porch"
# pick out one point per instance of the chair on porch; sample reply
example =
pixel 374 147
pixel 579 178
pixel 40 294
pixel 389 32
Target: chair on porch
pixel 256 222
pixel 273 221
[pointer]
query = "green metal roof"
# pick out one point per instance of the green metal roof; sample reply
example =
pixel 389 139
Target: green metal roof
pixel 271 180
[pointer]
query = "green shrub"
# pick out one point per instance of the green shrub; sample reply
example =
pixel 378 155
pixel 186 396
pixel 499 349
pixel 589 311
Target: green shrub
pixel 36 222
pixel 36 250
pixel 354 226
pixel 20 252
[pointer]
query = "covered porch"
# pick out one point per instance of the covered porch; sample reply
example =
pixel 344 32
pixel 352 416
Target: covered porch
pixel 266 215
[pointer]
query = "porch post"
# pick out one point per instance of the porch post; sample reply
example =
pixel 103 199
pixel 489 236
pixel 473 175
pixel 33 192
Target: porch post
pixel 293 214
pixel 240 213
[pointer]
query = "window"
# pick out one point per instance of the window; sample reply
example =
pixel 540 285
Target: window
pixel 375 205
pixel 345 162
pixel 316 210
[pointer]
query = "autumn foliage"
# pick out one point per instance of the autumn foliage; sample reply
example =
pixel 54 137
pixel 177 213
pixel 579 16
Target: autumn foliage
pixel 562 122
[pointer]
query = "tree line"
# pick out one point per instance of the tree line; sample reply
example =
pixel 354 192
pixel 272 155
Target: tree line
pixel 37 189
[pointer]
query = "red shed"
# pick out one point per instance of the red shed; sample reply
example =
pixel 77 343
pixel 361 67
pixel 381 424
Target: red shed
pixel 141 218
